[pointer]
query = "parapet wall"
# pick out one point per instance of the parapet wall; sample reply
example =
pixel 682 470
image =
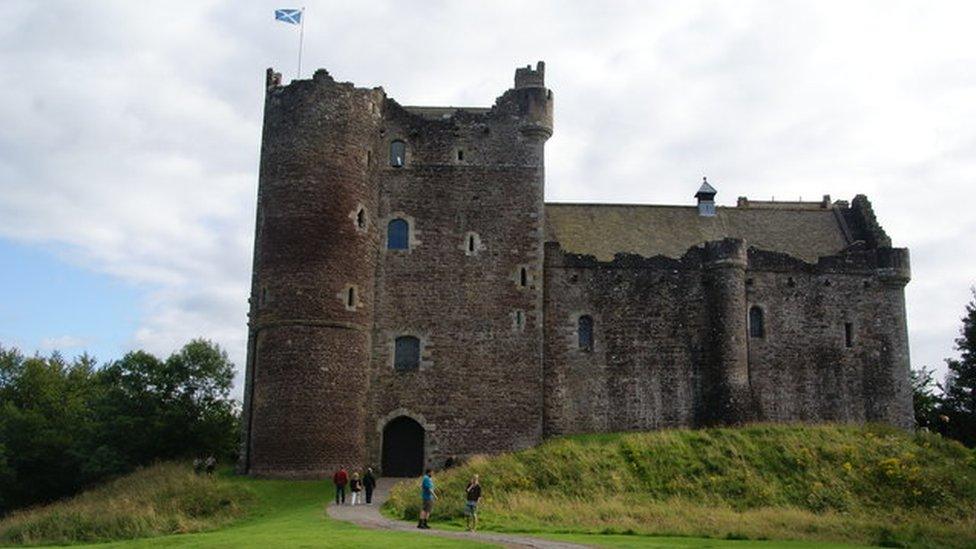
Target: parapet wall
pixel 672 345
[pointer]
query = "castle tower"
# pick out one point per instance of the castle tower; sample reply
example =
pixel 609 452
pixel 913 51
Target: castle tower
pixel 312 287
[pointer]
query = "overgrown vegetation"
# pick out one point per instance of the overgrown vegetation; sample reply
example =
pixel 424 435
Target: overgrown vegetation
pixel 67 425
pixel 834 483
pixel 162 499
pixel 952 410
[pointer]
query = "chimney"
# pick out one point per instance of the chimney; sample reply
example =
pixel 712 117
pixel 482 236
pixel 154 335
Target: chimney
pixel 706 199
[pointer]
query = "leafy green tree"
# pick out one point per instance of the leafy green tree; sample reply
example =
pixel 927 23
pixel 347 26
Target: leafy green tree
pixel 65 425
pixel 959 389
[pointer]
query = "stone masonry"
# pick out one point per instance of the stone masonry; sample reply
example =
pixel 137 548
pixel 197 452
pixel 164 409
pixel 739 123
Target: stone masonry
pixel 406 265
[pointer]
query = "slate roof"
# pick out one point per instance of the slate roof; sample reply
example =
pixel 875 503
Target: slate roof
pixel 804 230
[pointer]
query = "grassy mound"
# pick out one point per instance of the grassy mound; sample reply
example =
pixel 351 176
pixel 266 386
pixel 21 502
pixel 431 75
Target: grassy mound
pixel 163 499
pixel 851 484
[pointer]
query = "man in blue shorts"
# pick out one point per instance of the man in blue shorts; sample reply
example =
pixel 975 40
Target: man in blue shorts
pixel 427 497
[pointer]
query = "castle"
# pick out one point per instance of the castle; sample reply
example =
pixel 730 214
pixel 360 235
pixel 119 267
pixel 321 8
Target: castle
pixel 414 298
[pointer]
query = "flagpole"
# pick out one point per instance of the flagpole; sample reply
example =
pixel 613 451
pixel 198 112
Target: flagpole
pixel 301 38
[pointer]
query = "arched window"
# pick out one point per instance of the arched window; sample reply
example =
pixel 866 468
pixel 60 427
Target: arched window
pixel 406 355
pixel 398 153
pixel 585 332
pixel 398 235
pixel 756 323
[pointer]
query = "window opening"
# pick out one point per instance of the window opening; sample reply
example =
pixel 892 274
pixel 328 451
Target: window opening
pixel 398 235
pixel 756 327
pixel 585 333
pixel 361 218
pixel 460 155
pixel 519 319
pixel 351 297
pixel 523 277
pixel 398 153
pixel 471 243
pixel 848 334
pixel 406 355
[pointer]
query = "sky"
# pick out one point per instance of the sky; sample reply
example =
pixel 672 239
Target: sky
pixel 130 134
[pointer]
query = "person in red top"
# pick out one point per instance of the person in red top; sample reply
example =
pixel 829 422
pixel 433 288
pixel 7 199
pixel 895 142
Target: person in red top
pixel 340 478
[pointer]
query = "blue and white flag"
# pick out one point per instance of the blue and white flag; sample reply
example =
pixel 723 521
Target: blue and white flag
pixel 291 16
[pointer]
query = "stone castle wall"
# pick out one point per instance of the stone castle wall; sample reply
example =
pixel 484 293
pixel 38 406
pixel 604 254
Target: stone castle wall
pixel 501 366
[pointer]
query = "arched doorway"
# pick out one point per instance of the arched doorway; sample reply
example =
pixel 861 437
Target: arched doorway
pixel 403 448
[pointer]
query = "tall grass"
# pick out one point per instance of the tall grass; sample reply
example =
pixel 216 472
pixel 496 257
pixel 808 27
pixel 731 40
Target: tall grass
pixel 162 499
pixel 834 483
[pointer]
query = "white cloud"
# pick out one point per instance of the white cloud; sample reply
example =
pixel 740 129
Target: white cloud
pixel 131 130
pixel 63 343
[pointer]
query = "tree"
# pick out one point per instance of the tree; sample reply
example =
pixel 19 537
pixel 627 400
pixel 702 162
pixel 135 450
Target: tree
pixel 959 388
pixel 66 425
pixel 925 402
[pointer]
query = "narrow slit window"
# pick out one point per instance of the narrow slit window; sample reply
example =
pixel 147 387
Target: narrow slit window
pixel 406 355
pixel 848 334
pixel 460 155
pixel 756 323
pixel 519 319
pixel 361 218
pixel 471 243
pixel 584 332
pixel 351 297
pixel 523 277
pixel 398 235
pixel 398 153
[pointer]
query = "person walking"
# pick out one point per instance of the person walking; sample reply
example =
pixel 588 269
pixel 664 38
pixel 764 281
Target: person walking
pixel 427 497
pixel 369 483
pixel 339 479
pixel 355 486
pixel 472 495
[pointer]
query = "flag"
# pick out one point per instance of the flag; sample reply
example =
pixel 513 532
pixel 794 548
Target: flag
pixel 290 16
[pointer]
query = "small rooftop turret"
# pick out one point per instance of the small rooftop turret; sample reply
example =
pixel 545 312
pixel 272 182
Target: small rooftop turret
pixel 525 77
pixel 706 198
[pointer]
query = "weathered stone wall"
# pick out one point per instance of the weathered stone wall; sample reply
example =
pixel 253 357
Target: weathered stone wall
pixel 305 401
pixel 651 331
pixel 672 346
pixel 802 369
pixel 480 382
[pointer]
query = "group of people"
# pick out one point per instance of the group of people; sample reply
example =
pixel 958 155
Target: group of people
pixel 341 480
pixel 356 485
pixel 205 465
pixel 472 494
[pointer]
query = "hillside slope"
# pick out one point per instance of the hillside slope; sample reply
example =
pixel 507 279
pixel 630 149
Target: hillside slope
pixel 839 483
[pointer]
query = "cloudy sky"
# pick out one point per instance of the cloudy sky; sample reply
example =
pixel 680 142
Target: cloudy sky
pixel 130 134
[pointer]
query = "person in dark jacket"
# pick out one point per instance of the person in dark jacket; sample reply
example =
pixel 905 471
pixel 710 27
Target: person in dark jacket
pixel 369 483
pixel 340 478
pixel 472 495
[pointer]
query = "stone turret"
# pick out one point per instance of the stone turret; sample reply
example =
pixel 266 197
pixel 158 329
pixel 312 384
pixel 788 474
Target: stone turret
pixel 725 291
pixel 312 287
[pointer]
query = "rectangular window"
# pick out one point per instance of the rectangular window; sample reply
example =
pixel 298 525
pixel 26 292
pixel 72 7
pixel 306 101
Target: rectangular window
pixel 848 334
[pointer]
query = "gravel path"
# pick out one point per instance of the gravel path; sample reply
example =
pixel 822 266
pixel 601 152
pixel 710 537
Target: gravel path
pixel 369 516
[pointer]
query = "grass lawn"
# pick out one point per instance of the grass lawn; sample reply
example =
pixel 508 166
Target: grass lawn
pixel 290 514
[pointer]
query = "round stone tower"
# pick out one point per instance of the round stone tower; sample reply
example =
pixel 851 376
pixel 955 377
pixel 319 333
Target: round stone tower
pixel 315 251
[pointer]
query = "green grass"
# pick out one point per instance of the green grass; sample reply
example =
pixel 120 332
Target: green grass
pixel 266 513
pixel 842 484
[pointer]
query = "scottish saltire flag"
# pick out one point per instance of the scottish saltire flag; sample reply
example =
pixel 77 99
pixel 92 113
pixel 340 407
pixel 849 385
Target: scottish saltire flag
pixel 289 16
